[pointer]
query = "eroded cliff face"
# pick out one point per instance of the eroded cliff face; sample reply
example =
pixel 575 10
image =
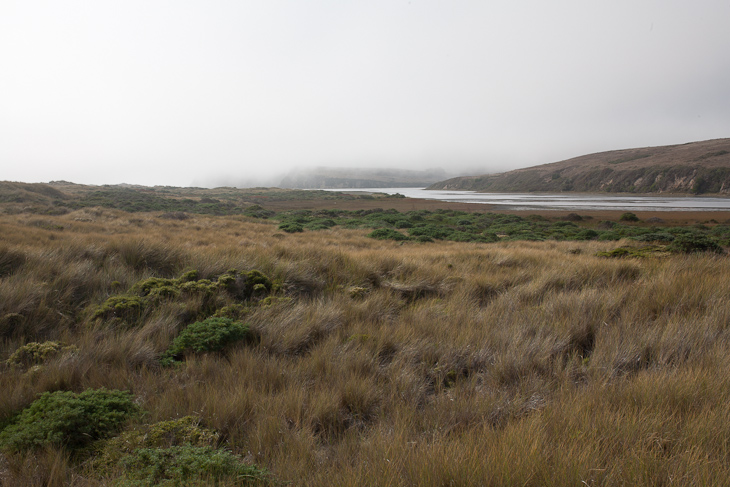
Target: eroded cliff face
pixel 695 168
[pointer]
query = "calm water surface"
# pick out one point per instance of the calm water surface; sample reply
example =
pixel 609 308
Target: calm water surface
pixel 532 201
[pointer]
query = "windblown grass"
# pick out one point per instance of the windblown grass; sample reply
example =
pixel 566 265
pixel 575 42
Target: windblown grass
pixel 380 363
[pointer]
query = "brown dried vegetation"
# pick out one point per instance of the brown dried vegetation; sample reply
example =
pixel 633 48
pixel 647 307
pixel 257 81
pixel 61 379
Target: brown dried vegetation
pixel 518 363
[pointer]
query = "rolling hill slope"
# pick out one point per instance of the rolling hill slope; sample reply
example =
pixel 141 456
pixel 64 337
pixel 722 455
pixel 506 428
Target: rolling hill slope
pixel 693 168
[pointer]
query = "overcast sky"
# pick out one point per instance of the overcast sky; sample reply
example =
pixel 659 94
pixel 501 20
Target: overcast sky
pixel 211 92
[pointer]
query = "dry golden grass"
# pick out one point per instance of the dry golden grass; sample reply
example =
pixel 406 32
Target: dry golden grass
pixel 390 364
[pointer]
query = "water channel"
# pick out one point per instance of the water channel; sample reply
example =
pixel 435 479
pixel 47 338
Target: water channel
pixel 564 201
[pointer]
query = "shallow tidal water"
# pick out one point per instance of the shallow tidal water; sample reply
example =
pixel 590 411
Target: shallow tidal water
pixel 577 201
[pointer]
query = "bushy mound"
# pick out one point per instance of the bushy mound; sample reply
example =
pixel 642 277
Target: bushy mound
pixel 185 431
pixel 35 353
pixel 694 243
pixel 69 419
pixel 387 234
pixel 129 307
pixel 187 465
pixel 210 335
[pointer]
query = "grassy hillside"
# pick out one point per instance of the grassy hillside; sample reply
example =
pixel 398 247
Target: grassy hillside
pixel 221 348
pixel 693 168
pixel 61 197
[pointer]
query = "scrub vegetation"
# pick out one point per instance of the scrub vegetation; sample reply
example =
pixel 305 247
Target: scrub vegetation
pixel 150 349
pixel 462 226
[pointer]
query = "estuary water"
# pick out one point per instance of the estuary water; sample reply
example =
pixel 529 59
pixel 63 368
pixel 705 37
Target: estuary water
pixel 563 201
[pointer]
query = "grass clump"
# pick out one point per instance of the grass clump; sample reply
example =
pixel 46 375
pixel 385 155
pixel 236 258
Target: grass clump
pixel 210 335
pixel 10 261
pixel 68 419
pixel 187 465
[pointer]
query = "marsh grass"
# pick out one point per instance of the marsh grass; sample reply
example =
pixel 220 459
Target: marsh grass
pixel 511 363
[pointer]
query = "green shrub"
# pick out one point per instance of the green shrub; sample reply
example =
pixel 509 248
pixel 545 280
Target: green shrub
pixel 649 251
pixel 251 284
pixel 387 234
pixel 610 236
pixel 291 227
pixel 694 243
pixel 185 431
pixel 564 224
pixel 157 285
pixel 187 465
pixel 629 217
pixel 149 292
pixel 124 307
pixel 616 253
pixel 586 234
pixel 69 419
pixel 655 237
pixel 470 237
pixel 257 211
pixel 436 232
pixel 490 237
pixel 35 353
pixel 210 335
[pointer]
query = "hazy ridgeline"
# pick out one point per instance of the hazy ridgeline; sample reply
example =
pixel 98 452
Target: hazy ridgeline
pixel 379 363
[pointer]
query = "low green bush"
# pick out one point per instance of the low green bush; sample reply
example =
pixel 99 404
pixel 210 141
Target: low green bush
pixel 694 243
pixel 210 335
pixel 629 217
pixel 586 234
pixel 185 431
pixel 69 419
pixel 640 252
pixel 124 307
pixel 291 227
pixel 387 234
pixel 610 236
pixel 436 232
pixel 35 353
pixel 187 465
pixel 129 307
pixel 616 253
pixel 257 211
pixel 655 237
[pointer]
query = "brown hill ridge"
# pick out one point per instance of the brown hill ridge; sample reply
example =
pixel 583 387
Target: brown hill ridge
pixel 694 168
